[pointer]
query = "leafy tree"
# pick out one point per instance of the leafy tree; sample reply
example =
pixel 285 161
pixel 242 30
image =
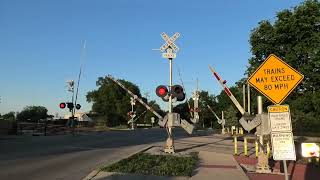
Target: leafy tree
pixel 32 113
pixel 113 102
pixel 206 117
pixel 9 116
pixel 147 118
pixel 294 37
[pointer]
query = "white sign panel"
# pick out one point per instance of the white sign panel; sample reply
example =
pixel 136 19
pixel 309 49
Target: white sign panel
pixel 279 117
pixel 169 55
pixel 283 146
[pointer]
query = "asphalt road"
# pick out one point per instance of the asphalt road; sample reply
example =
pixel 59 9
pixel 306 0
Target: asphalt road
pixel 71 157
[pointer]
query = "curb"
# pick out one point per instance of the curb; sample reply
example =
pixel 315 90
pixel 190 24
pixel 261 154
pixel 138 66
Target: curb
pixel 95 172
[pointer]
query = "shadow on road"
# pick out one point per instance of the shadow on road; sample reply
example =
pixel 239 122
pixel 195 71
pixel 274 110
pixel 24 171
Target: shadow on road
pixel 27 147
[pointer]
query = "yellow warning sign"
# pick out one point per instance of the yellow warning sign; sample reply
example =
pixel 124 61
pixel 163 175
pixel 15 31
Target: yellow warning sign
pixel 275 79
pixel 278 108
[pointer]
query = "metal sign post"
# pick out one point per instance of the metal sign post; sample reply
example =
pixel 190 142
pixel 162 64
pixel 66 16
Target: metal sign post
pixel 262 166
pixel 169 148
pixel 223 122
pixel 281 135
pixel 132 102
pixel 168 50
pixel 275 79
pixel 70 122
pixel 195 110
pixel 152 121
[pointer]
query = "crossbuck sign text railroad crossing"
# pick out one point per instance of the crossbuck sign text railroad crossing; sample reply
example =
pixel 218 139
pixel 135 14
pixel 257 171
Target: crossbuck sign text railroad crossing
pixel 169 46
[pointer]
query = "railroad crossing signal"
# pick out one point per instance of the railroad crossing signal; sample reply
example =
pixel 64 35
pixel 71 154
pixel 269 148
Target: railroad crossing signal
pixel 131 114
pixel 132 101
pixel 169 42
pixel 169 46
pixel 163 92
pixel 69 105
pixel 176 91
pixel 62 105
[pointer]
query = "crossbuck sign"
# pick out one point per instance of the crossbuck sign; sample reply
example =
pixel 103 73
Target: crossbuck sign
pixel 169 46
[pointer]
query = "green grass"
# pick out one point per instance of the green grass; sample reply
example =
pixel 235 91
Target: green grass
pixel 159 165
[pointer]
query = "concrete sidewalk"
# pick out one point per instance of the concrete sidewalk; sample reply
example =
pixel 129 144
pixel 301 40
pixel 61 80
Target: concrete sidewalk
pixel 212 166
pixel 218 166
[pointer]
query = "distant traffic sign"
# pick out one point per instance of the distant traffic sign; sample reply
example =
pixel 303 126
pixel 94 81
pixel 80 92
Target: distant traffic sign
pixel 275 79
pixel 279 117
pixel 283 146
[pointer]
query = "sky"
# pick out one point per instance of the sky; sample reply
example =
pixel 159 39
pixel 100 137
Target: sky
pixel 41 40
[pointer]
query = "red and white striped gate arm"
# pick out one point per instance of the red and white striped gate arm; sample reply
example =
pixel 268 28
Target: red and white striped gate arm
pixel 227 90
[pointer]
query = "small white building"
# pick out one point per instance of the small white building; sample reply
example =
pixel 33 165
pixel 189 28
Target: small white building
pixel 81 117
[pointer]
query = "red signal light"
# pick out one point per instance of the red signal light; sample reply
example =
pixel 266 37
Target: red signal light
pixel 62 105
pixel 162 91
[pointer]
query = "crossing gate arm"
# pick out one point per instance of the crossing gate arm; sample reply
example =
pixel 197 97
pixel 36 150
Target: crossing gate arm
pixel 136 97
pixel 213 112
pixel 139 116
pixel 227 90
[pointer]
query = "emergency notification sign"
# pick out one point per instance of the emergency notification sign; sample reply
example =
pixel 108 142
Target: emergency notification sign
pixel 275 79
